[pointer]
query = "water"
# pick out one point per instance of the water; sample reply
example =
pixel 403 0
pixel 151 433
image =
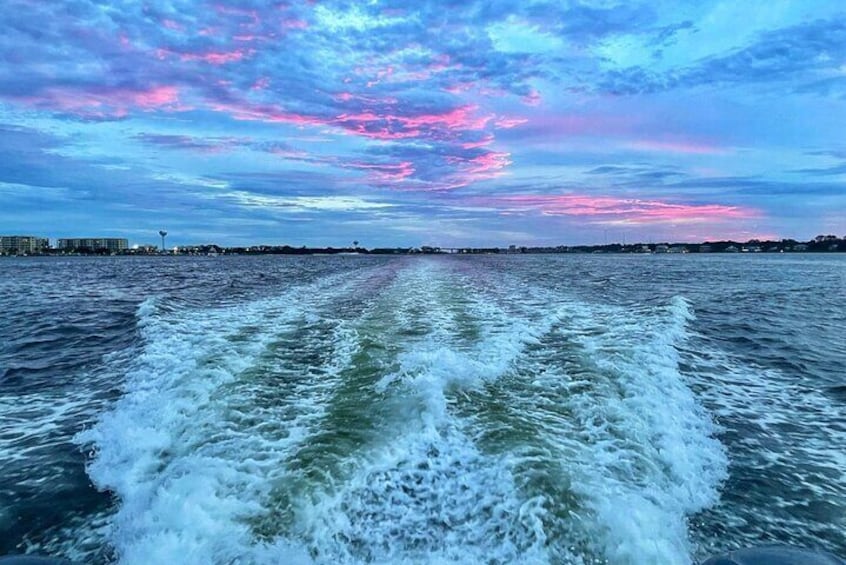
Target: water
pixel 438 409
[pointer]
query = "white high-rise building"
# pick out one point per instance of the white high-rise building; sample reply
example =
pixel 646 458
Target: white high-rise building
pixel 112 244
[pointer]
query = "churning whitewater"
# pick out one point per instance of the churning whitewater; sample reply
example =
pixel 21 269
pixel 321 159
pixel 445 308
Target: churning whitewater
pixel 408 411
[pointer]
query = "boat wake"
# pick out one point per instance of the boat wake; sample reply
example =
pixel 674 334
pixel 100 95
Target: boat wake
pixel 412 412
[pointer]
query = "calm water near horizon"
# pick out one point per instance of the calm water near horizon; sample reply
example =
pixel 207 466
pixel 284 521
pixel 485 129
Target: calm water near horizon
pixel 578 409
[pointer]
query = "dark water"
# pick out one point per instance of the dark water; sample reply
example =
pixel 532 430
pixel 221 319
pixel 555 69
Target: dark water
pixel 561 409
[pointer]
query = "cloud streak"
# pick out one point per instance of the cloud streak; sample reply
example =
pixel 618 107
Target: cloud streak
pixel 618 211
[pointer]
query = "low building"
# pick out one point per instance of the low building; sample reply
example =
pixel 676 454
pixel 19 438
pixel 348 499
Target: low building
pixel 23 244
pixel 110 244
pixel 143 249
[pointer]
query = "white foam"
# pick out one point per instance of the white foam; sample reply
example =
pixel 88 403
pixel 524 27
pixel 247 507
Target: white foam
pixel 440 360
pixel 200 466
pixel 188 460
pixel 426 493
pixel 607 400
pixel 639 449
pixel 429 497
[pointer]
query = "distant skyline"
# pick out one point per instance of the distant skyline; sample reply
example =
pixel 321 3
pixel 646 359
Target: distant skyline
pixel 423 123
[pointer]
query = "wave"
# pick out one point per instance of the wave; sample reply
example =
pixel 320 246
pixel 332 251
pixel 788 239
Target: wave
pixel 406 413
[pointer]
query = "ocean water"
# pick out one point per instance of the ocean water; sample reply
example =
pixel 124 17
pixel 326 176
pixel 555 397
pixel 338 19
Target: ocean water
pixel 432 409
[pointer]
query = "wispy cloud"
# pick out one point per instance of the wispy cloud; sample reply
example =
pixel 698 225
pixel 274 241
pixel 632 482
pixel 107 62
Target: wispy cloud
pixel 617 211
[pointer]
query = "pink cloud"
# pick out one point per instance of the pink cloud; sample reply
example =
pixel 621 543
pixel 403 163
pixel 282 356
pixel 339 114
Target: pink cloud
pixel 460 117
pixel 218 57
pixel 153 98
pixel 383 133
pixel 377 173
pixel 261 84
pixel 381 75
pixel 373 100
pixel 436 65
pixel 248 111
pixel 376 71
pixel 508 123
pixel 397 126
pixel 474 169
pixel 446 126
pixel 482 87
pixel 619 211
pixel 106 102
pixel 442 61
pixel 382 173
pixel 486 140
pixel 252 15
pixel 173 25
pixel 736 235
pixel 295 24
pixel 492 92
pixel 489 163
pixel 462 127
pixel 459 87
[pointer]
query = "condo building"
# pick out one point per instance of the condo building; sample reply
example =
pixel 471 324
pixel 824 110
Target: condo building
pixel 22 244
pixel 111 244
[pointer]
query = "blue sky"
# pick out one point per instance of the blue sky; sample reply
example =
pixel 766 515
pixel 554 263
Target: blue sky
pixel 411 122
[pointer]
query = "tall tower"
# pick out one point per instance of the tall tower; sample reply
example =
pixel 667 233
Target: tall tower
pixel 163 234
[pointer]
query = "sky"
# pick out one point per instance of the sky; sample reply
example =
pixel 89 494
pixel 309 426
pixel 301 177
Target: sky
pixel 413 122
